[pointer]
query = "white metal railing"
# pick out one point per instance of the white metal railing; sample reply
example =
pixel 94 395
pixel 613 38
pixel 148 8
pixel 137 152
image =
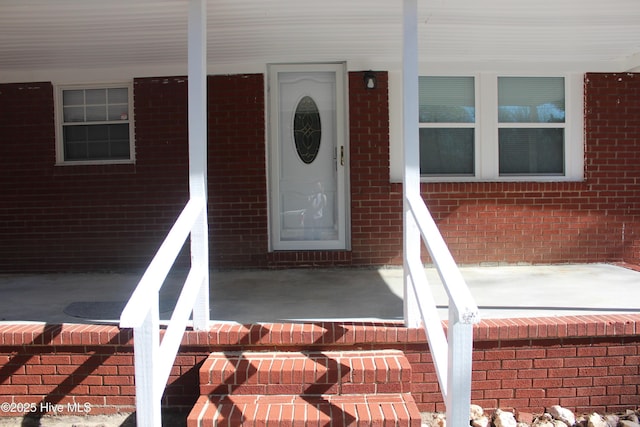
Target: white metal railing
pixel 154 358
pixel 451 354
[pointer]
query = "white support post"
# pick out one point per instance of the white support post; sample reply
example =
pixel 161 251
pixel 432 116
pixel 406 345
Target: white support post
pixel 455 383
pixel 197 73
pixel 146 341
pixel 411 150
pixel 458 396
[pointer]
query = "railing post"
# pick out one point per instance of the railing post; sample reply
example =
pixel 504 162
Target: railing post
pixel 197 73
pixel 460 340
pixel 411 150
pixel 146 343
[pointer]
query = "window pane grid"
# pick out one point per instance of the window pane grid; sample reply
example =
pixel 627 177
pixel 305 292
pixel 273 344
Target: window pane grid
pixel 95 124
pixel 101 142
pixel 531 122
pixel 95 105
pixel 531 100
pixel 447 115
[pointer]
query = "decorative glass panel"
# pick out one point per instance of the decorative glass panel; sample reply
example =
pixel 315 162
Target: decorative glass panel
pixel 447 100
pixel 307 130
pixel 531 100
pixel 447 151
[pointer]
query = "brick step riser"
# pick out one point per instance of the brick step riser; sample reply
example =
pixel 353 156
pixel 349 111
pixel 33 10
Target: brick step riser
pixel 397 410
pixel 305 373
pixel 291 389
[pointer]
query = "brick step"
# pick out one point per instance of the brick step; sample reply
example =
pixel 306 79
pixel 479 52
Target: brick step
pixel 389 409
pixel 305 373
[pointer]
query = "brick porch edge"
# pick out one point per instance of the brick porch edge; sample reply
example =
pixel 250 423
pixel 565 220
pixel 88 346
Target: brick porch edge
pixel 585 363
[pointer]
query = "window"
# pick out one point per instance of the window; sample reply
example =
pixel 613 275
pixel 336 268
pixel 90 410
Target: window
pixel 531 116
pixel 94 124
pixel 519 128
pixel 447 126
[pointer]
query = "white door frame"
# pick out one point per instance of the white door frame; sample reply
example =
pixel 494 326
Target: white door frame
pixel 341 158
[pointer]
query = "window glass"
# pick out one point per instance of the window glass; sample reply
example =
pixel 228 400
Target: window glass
pixel 96 96
pixel 447 151
pixel 95 124
pixel 96 142
pixel 447 126
pixel 531 100
pixel 73 97
pixel 447 100
pixel 73 114
pixel 531 151
pixel 118 95
pixel 96 113
pixel 531 116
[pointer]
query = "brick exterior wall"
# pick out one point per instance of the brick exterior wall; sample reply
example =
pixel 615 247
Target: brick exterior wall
pixel 113 217
pixel 585 363
pixel 591 221
pixel 93 217
pixel 237 178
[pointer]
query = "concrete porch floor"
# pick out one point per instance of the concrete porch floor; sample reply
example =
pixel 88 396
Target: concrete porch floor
pixel 250 296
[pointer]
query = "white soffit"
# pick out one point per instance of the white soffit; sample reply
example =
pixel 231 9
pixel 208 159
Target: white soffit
pixel 40 35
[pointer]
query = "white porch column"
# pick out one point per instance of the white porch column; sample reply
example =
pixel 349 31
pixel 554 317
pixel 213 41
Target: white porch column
pixel 197 73
pixel 411 150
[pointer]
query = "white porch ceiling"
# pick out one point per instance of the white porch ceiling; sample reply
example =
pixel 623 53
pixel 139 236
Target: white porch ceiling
pixel 589 35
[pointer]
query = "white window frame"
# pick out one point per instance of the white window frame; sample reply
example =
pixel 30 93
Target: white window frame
pixel 461 125
pixel 58 98
pixel 487 126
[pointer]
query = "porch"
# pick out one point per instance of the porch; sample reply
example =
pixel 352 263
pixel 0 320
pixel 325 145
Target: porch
pixel 306 295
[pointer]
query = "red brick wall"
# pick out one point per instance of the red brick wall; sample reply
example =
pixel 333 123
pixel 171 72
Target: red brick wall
pixel 612 126
pixel 591 221
pixel 97 217
pixel 585 363
pixel 55 218
pixel 237 171
pixel 376 205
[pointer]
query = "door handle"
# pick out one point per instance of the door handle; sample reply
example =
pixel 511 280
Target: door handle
pixel 342 155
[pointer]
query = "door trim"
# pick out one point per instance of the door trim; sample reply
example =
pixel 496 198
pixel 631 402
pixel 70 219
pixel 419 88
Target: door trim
pixel 341 157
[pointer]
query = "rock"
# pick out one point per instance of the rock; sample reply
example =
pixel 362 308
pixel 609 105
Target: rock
pixel 559 423
pixel 631 416
pixel 504 419
pixel 475 411
pixel 611 420
pixel 481 421
pixel 596 420
pixel 439 420
pixel 581 421
pixel 544 420
pixel 477 417
pixel 562 414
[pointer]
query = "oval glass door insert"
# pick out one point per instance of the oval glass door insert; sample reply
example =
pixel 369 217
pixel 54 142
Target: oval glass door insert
pixel 307 130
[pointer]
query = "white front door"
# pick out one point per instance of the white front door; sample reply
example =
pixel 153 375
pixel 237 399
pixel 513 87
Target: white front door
pixel 308 157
